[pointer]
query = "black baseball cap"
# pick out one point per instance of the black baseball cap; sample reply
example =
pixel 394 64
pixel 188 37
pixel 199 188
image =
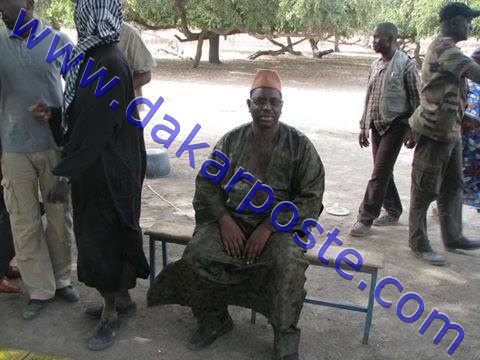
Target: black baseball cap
pixel 457 8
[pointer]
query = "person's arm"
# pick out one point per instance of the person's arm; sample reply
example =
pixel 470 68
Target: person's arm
pixel 308 186
pixel 141 78
pixel 138 56
pixel 209 204
pixel 363 121
pixel 460 65
pixel 364 128
pixel 413 88
pixel 473 72
pixel 44 113
pixel 412 84
pixel 209 199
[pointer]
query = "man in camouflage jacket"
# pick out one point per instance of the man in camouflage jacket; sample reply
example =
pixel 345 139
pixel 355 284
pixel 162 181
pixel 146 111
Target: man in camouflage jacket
pixel 437 162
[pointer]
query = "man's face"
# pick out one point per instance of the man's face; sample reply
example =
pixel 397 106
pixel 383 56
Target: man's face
pixel 265 106
pixel 9 10
pixel 461 27
pixel 382 43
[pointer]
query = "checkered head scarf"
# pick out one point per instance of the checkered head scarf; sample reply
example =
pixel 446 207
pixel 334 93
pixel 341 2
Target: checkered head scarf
pixel 98 22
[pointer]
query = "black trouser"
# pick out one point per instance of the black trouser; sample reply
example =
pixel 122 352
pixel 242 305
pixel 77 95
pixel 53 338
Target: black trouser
pixel 381 189
pixel 436 175
pixel 7 251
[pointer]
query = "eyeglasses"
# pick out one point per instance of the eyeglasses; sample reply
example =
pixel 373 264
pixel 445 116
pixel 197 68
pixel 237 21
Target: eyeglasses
pixel 261 101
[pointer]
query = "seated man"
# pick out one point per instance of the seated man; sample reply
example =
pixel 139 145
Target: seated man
pixel 240 258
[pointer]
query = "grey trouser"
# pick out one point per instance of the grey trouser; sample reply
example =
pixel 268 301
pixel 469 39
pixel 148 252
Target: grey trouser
pixel 436 175
pixel 43 253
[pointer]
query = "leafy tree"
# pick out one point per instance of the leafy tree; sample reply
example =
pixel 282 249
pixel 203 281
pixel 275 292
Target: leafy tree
pixel 209 18
pixel 315 20
pixel 57 13
pixel 152 14
pixel 322 19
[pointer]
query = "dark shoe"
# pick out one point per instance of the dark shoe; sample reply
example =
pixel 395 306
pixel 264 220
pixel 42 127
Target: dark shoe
pixel 8 287
pixel 291 357
pixel 67 293
pixel 385 220
pixel 359 229
pixel 34 307
pixel 431 257
pixel 14 273
pixel 463 244
pixel 95 312
pixel 105 335
pixel 205 335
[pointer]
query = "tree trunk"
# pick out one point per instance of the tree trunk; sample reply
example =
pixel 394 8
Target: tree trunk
pixel 417 53
pixel 198 55
pixel 337 43
pixel 214 49
pixel 321 54
pixel 366 42
pixel 314 46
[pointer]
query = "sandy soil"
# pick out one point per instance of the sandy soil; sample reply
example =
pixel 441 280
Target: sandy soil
pixel 324 99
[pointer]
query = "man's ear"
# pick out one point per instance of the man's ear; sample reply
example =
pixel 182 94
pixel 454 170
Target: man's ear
pixel 249 105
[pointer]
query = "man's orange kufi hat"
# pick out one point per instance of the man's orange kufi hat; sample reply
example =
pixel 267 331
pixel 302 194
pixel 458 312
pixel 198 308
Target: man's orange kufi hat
pixel 266 79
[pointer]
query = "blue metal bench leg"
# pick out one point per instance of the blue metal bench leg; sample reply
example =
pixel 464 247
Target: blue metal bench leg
pixel 151 245
pixel 153 268
pixel 164 254
pixel 371 300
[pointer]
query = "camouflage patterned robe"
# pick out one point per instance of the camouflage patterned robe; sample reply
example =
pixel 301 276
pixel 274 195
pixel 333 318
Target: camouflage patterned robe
pixel 208 279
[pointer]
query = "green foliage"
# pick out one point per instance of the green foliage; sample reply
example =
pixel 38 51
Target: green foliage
pixel 246 15
pixel 415 18
pixel 160 14
pixel 57 13
pixel 320 18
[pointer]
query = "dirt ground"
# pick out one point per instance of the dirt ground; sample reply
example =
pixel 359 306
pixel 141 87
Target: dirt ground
pixel 324 99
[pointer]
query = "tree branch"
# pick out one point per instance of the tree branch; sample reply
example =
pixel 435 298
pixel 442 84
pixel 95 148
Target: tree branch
pixel 180 4
pixel 198 55
pixel 283 49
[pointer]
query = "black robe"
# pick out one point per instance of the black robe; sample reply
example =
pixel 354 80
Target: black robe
pixel 105 159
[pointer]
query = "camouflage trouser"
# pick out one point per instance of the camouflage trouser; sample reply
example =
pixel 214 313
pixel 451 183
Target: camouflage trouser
pixel 208 280
pixel 436 175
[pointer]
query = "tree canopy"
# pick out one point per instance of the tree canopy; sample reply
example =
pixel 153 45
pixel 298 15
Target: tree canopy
pixel 206 20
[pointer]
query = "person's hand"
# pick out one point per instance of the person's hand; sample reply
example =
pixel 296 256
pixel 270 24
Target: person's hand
pixel 363 139
pixel 256 243
pixel 410 139
pixel 59 191
pixel 41 111
pixel 232 236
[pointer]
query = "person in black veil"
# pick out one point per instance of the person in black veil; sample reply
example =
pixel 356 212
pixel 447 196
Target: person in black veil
pixel 104 161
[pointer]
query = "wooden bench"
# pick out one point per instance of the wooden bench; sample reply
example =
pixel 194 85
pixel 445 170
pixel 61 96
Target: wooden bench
pixel 181 233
